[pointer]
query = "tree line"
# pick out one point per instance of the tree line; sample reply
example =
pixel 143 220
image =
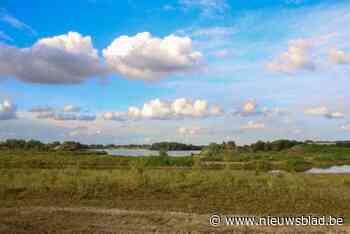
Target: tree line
pixel 211 149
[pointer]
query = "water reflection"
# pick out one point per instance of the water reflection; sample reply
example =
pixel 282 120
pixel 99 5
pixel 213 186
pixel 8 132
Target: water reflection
pixel 145 152
pixel 330 170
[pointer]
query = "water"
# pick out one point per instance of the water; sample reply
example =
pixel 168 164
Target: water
pixel 330 170
pixel 145 152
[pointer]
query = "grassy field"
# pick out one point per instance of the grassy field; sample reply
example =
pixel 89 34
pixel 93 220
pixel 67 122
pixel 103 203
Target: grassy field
pixel 200 191
pixel 184 184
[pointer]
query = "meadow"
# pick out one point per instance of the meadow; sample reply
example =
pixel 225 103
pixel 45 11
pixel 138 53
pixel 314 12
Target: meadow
pixel 243 184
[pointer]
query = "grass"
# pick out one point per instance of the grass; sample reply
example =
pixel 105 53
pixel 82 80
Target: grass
pixel 298 158
pixel 187 184
pixel 203 191
pixel 82 159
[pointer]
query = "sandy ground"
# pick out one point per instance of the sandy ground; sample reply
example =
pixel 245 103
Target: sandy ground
pixel 95 220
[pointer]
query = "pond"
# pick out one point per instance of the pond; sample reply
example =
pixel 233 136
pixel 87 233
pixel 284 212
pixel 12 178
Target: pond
pixel 330 170
pixel 145 152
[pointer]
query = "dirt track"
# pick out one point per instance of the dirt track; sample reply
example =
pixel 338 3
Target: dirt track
pixel 94 220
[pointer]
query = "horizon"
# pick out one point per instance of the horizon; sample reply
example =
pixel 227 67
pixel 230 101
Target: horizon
pixel 194 72
pixel 179 142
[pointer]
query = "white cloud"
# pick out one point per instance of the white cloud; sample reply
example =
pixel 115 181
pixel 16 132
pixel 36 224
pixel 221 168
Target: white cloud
pixel 274 111
pixel 68 113
pixel 188 131
pixel 117 116
pixel 146 57
pixel 64 59
pixel 335 115
pixel 66 116
pixel 216 110
pixel 7 110
pixel 298 57
pixel 253 125
pixel 71 108
pixel 338 56
pixel 324 111
pixel 72 42
pixel 158 109
pixel 249 107
pixel 185 107
pixel 345 126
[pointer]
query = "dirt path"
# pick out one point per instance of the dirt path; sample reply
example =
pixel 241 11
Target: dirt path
pixel 97 220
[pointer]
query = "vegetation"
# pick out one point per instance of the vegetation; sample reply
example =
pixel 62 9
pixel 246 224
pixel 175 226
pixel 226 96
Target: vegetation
pixel 74 146
pixel 202 191
pixel 223 177
pixel 174 146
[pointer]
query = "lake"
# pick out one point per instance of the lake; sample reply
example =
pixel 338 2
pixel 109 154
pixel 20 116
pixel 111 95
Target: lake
pixel 330 170
pixel 145 152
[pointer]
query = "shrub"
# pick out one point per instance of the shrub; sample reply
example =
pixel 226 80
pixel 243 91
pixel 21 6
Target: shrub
pixel 297 165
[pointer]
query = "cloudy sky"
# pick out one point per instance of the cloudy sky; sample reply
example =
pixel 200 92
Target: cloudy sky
pixel 195 71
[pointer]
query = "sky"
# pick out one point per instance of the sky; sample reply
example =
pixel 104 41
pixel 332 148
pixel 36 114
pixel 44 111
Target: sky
pixel 192 71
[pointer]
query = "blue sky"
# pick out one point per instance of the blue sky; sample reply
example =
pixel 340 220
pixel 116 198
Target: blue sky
pixel 197 71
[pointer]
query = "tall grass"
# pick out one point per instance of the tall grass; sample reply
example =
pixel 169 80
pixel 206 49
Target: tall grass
pixel 234 191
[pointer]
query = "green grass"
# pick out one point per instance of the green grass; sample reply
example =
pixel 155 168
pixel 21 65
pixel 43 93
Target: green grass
pixel 199 190
pixel 82 159
pixel 177 183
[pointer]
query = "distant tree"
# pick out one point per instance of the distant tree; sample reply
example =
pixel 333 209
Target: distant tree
pixel 258 146
pixel 173 146
pixel 164 157
pixel 71 146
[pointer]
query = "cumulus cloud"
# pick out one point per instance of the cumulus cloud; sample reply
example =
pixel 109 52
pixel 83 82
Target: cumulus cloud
pixel 274 111
pixel 66 116
pixel 253 125
pixel 298 57
pixel 117 116
pixel 249 107
pixel 65 59
pixel 335 115
pixel 338 57
pixel 345 126
pixel 71 108
pixel 324 111
pixel 159 109
pixel 188 131
pixel 7 110
pixel 68 113
pixel 216 110
pixel 145 57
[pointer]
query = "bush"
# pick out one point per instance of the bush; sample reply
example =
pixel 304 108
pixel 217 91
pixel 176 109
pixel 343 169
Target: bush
pixel 297 165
